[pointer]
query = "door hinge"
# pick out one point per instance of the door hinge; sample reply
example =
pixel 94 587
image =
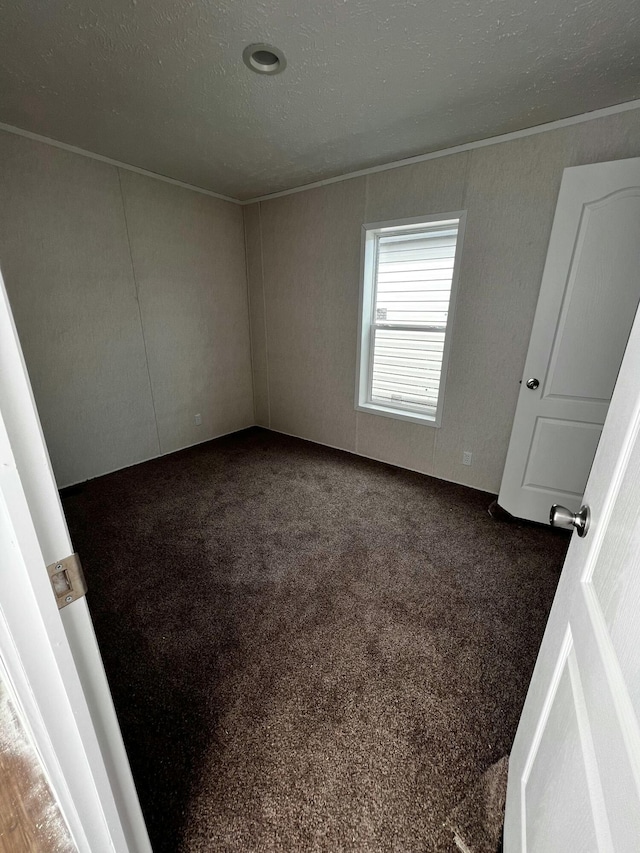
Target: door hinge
pixel 67 580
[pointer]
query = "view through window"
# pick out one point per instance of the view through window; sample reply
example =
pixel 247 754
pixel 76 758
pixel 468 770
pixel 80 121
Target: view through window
pixel 409 278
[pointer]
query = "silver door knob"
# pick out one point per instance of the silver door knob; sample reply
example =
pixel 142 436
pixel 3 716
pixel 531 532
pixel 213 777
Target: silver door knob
pixel 533 384
pixel 560 516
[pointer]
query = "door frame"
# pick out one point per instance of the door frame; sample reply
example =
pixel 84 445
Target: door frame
pixel 51 656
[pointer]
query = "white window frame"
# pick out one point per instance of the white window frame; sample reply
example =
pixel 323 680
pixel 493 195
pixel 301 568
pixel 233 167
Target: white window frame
pixel 364 369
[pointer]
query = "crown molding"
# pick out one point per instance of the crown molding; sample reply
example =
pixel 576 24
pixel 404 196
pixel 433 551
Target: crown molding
pixel 467 146
pixel 18 131
pixel 395 164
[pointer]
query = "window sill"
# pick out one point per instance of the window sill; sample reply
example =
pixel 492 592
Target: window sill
pixel 398 414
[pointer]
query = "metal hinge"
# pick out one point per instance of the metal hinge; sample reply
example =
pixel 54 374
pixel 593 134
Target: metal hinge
pixel 67 580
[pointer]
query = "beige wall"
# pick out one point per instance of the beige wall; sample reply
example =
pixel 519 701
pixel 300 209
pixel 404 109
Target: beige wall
pixel 130 299
pixel 303 267
pixel 129 295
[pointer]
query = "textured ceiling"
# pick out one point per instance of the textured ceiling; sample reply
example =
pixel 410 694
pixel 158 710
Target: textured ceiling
pixel 160 84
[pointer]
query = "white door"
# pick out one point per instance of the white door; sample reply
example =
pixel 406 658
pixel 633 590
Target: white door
pixel 50 655
pixel 574 772
pixel 588 298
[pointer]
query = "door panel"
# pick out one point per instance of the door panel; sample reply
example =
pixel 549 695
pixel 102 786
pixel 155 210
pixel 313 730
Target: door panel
pixel 584 697
pixel 615 583
pixel 546 822
pixel 557 448
pixel 606 701
pixel 600 300
pixel 588 297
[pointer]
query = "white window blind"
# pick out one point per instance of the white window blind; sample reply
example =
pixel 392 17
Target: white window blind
pixel 412 273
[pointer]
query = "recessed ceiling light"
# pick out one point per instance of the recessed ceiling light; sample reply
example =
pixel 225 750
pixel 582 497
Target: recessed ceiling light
pixel 264 58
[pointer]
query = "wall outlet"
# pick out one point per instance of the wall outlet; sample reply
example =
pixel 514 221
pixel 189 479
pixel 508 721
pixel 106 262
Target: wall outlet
pixel 198 420
pixel 466 457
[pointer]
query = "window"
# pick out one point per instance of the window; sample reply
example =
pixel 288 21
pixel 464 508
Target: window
pixel 409 277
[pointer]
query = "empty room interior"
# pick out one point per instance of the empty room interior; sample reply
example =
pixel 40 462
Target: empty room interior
pixel 322 305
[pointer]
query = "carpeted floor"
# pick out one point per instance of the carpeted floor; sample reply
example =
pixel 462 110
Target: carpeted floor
pixel 308 651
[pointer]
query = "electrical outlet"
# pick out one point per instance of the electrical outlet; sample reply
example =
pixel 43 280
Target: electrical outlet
pixel 466 457
pixel 198 420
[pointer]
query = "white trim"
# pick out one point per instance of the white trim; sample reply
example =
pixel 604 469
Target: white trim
pixel 398 414
pixel 73 149
pixel 456 149
pixel 369 237
pixel 347 176
pixel 364 328
pixel 409 223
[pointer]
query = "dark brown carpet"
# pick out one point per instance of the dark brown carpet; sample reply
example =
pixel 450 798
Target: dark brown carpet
pixel 477 822
pixel 308 651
